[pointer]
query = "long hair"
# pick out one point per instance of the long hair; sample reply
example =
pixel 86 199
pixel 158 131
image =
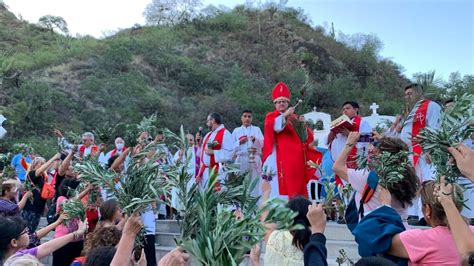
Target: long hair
pixel 37 160
pixel 67 184
pixel 300 237
pixel 405 190
pixel 100 256
pixel 438 216
pixel 10 228
pixel 107 209
pixel 102 237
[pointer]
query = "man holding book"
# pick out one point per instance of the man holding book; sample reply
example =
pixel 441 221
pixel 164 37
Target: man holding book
pixel 337 138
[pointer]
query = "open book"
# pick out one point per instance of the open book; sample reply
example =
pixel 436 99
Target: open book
pixel 341 122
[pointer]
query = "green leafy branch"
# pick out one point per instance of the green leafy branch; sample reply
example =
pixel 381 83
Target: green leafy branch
pixel 456 125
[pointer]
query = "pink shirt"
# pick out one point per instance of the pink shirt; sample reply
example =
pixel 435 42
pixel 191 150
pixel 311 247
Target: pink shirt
pixel 358 180
pixel 434 246
pixel 73 224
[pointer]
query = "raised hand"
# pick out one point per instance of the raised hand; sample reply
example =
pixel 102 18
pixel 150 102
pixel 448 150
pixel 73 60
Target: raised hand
pixel 317 218
pixel 464 160
pixel 58 133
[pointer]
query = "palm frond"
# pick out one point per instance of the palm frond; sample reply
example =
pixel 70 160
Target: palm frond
pixel 212 233
pixel 456 125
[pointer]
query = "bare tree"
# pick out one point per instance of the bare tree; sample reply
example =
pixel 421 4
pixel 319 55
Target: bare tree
pixel 169 12
pixel 53 22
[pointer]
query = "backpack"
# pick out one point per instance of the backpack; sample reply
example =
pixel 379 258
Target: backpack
pixel 51 216
pixel 352 214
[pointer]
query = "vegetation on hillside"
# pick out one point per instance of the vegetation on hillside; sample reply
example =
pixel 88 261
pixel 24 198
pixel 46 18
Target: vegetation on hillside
pixel 224 61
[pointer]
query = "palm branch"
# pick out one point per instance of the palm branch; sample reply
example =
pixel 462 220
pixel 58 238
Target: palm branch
pixel 140 184
pixel 209 230
pixel 456 125
pixel 221 238
pixel 299 127
pixel 389 167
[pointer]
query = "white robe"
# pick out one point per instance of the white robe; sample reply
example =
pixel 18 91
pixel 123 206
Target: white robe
pixel 190 169
pixel 338 143
pixel 221 157
pixel 242 155
pixel 270 164
pixel 424 171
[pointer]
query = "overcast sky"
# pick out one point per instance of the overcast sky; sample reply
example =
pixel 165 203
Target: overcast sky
pixel 420 35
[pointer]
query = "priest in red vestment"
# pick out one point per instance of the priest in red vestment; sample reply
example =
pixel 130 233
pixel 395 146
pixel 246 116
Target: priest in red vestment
pixel 285 155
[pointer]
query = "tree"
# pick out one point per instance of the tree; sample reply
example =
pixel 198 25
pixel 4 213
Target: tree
pixel 53 22
pixel 367 43
pixel 170 12
pixel 432 84
pixel 273 7
pixel 457 85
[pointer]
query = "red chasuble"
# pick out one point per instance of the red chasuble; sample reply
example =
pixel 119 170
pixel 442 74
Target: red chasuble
pixel 94 150
pixel 291 156
pixel 214 166
pixel 352 158
pixel 114 151
pixel 419 122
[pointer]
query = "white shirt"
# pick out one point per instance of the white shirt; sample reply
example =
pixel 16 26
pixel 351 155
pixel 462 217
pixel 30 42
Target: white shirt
pixel 226 152
pixel 340 140
pixel 423 170
pixel 433 115
pixel 242 149
pixel 221 156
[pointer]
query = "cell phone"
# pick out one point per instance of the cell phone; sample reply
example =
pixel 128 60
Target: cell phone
pixel 313 191
pixel 366 137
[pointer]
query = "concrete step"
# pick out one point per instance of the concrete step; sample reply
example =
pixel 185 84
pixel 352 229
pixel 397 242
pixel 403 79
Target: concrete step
pixel 170 226
pixel 162 251
pixel 166 241
pixel 337 235
pixel 333 230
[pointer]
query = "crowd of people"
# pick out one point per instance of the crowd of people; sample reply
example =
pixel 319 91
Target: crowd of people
pixel 282 159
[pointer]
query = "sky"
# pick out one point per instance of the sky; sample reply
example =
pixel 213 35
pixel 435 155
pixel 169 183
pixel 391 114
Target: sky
pixel 420 35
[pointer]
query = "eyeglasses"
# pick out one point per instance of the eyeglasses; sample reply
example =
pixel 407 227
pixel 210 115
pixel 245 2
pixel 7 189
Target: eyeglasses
pixel 24 231
pixel 281 102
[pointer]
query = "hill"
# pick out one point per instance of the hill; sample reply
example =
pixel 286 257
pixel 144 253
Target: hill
pixel 226 62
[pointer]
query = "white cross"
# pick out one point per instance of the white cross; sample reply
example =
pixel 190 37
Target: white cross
pixel 374 108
